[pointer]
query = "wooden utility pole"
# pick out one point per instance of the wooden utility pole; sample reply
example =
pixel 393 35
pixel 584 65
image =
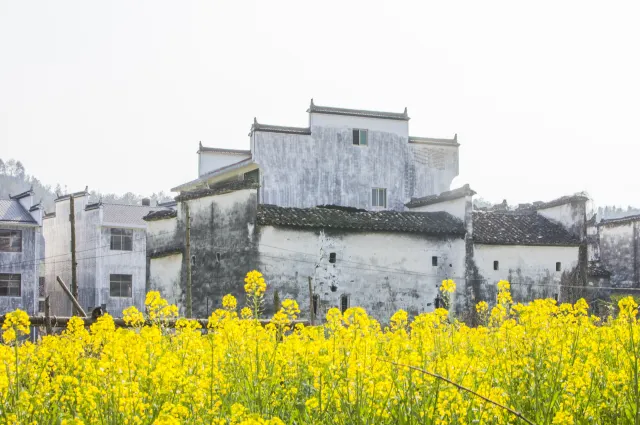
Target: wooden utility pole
pixel 73 299
pixel 74 264
pixel 312 315
pixel 47 316
pixel 188 255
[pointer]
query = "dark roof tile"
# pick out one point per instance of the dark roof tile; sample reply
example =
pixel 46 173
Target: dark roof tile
pixel 160 215
pixel 504 228
pixel 432 223
pixel 444 196
pixel 595 269
pixel 358 112
pixel 13 212
pixel 618 221
pixel 561 201
pixel 218 189
pixel 278 128
pixel 224 150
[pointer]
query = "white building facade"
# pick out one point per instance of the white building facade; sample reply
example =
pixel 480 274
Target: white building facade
pixel 110 254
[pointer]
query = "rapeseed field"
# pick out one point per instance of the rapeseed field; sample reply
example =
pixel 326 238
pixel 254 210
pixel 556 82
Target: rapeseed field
pixel 539 363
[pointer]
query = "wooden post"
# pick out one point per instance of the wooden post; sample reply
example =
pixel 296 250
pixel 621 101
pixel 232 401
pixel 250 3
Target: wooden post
pixel 188 254
pixel 74 264
pixel 312 315
pixel 47 316
pixel 75 302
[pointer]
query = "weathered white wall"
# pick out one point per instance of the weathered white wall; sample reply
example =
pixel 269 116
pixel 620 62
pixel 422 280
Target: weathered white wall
pixel 165 275
pixel 530 269
pixel 121 262
pixel 209 161
pixel 620 252
pixel 399 127
pixel 571 216
pixel 455 207
pixel 161 233
pixel 25 264
pixel 326 168
pixel 57 236
pixel 381 272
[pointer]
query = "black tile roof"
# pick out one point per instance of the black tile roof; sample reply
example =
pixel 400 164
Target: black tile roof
pixel 218 189
pixel 11 211
pixel 23 194
pixel 595 269
pixel 444 196
pixel 561 201
pixel 435 140
pixel 505 228
pixel 68 196
pixel 621 220
pixel 223 150
pixel 160 215
pixel 164 252
pixel 358 112
pixel 432 223
pixel 278 128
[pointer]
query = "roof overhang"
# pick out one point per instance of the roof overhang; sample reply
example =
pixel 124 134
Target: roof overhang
pixel 434 141
pixel 219 175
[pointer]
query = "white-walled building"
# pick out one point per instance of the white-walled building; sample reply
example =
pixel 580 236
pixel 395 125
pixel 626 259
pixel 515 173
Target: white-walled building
pixel 347 157
pixel 21 248
pixel 110 252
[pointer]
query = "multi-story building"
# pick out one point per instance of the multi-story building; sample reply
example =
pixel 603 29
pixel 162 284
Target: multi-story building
pixel 110 253
pixel 361 210
pixel 347 157
pixel 21 249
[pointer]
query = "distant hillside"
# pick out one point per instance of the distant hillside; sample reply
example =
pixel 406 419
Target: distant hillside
pixel 14 179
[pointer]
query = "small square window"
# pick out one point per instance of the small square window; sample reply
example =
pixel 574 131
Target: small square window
pixel 496 265
pixel 360 137
pixel 558 266
pixel 10 285
pixel 434 261
pixel 10 240
pixel 344 303
pixel 121 239
pixel 120 285
pixel 379 197
pixel 332 257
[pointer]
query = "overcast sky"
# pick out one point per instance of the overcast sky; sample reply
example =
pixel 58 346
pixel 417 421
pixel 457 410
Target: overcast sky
pixel 115 95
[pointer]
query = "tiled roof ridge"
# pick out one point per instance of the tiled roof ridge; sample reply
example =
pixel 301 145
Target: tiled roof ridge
pixel 256 126
pixel 223 150
pixel 160 215
pixel 218 189
pixel 619 220
pixel 12 211
pixel 449 195
pixel 24 194
pixel 313 108
pixel 578 197
pixel 499 228
pixel 435 140
pixel 434 223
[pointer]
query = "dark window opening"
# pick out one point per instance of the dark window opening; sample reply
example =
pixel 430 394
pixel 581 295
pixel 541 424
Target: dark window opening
pixel 558 266
pixel 555 297
pixel 120 285
pixel 121 239
pixel 434 261
pixel 193 260
pixel 218 257
pixel 10 240
pixel 379 197
pixel 496 265
pixel 253 176
pixel 10 285
pixel 360 137
pixel 41 306
pixel 41 288
pixel 316 302
pixel 344 303
pixel 332 257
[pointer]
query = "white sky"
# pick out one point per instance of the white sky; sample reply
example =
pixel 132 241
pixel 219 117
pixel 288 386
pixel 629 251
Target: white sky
pixel 545 97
